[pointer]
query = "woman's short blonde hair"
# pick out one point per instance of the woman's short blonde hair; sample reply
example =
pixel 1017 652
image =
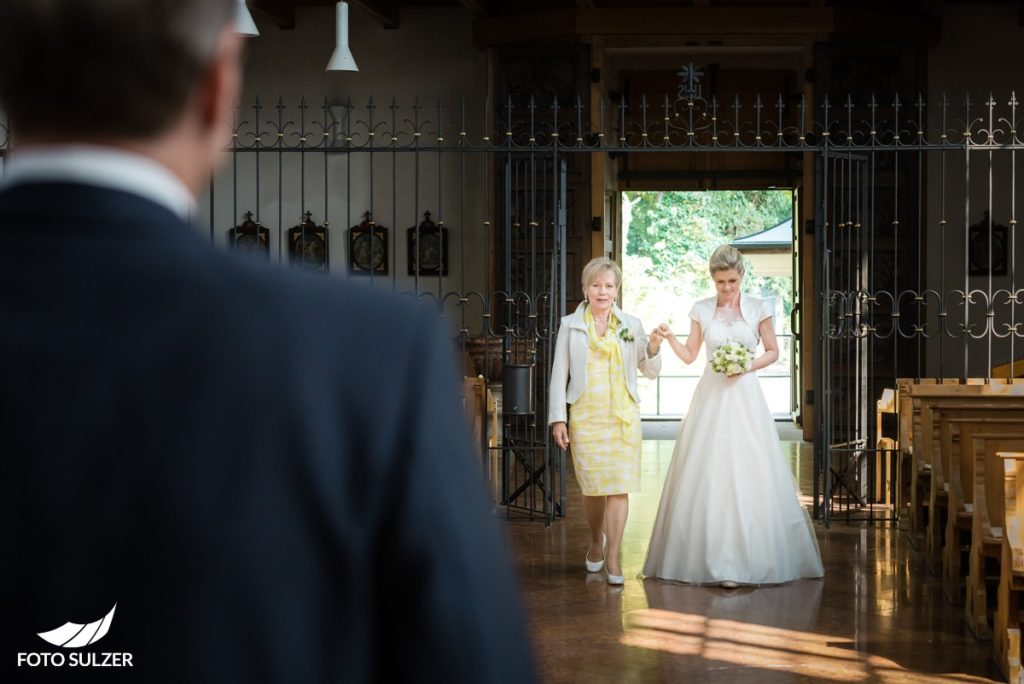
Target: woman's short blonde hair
pixel 726 257
pixel 594 268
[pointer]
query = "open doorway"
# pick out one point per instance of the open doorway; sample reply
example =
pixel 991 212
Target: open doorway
pixel 667 238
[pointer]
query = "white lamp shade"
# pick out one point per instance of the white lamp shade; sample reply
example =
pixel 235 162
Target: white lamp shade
pixel 342 59
pixel 244 25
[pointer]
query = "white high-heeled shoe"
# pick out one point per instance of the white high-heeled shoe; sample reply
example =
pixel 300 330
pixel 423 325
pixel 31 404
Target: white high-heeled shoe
pixel 616 580
pixel 597 566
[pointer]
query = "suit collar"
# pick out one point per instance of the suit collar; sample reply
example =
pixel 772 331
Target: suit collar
pixel 86 211
pixel 103 167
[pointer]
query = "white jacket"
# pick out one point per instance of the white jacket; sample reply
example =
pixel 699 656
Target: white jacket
pixel 569 370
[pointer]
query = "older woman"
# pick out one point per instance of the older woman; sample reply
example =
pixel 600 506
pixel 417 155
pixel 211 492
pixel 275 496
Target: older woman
pixel 598 352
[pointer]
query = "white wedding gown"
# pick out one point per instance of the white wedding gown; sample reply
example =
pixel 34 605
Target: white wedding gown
pixel 729 510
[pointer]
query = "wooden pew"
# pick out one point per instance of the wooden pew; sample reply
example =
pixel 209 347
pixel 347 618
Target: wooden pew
pixel 914 457
pixel 1014 369
pixel 1006 636
pixel 482 412
pixel 989 401
pixel 913 471
pixel 915 451
pixel 988 523
pixel 966 424
pixel 885 446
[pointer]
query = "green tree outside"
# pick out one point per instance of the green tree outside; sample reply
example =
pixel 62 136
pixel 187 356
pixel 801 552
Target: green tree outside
pixel 669 236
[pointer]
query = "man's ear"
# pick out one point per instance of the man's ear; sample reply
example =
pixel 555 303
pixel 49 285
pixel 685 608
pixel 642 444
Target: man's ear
pixel 220 86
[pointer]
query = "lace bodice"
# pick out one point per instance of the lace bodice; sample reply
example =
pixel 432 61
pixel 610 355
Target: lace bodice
pixel 726 316
pixel 729 325
pixel 720 325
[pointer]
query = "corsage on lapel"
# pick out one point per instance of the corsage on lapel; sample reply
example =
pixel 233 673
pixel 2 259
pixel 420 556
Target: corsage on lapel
pixel 625 334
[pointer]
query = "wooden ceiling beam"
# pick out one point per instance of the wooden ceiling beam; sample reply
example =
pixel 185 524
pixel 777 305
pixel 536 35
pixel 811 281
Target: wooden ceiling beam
pixel 280 12
pixel 479 8
pixel 612 21
pixel 580 22
pixel 384 12
pixel 893 25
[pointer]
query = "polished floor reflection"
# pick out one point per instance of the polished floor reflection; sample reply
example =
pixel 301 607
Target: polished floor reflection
pixel 875 617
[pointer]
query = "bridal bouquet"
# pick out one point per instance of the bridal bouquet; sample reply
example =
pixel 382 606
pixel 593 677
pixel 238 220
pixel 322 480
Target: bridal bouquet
pixel 731 358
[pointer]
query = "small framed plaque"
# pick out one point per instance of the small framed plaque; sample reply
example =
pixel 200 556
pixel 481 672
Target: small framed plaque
pixel 428 248
pixel 307 244
pixel 250 236
pixel 368 248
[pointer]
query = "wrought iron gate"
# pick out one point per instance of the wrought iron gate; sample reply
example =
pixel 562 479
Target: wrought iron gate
pixel 915 241
pixel 534 222
pixel 915 280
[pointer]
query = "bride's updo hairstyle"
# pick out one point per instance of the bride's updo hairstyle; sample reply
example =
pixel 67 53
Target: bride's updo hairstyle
pixel 726 257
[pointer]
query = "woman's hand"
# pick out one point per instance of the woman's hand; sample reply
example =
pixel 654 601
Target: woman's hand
pixel 654 340
pixel 560 433
pixel 657 336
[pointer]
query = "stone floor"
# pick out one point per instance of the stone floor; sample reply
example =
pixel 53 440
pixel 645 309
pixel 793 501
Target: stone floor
pixel 877 616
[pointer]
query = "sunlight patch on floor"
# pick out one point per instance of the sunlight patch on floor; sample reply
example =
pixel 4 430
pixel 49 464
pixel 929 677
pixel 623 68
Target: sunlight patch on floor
pixel 746 645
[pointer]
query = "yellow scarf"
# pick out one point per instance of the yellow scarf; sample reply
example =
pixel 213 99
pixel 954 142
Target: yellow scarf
pixel 623 406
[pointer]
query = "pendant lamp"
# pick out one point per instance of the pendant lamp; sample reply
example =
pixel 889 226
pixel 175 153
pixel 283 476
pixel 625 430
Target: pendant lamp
pixel 244 25
pixel 342 59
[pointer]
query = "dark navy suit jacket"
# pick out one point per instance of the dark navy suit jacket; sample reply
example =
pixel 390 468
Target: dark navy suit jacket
pixel 267 472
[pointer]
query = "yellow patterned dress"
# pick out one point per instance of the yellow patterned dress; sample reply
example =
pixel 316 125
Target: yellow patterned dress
pixel 604 423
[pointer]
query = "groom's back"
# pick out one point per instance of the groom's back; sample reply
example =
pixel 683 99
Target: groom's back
pixel 258 469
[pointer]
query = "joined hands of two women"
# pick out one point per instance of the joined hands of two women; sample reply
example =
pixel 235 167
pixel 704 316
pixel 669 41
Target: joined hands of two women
pixel 657 336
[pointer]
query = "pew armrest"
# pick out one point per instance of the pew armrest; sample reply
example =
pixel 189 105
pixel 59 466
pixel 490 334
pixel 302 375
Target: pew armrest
pixel 1013 483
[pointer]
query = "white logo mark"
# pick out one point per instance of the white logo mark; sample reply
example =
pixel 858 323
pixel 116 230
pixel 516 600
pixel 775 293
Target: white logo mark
pixel 74 635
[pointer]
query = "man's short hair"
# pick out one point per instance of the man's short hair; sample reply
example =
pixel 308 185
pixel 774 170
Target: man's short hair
pixel 85 69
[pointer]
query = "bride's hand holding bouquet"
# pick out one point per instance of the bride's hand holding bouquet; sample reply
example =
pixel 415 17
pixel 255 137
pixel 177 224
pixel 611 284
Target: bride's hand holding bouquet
pixel 732 359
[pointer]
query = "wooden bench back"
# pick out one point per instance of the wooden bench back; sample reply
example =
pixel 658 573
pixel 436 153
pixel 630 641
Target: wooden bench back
pixel 1013 505
pixel 958 428
pixel 989 486
pixel 481 410
pixel 1005 398
pixel 908 402
pixel 1014 369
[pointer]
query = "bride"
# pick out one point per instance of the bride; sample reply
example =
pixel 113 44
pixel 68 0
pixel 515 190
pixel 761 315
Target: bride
pixel 729 512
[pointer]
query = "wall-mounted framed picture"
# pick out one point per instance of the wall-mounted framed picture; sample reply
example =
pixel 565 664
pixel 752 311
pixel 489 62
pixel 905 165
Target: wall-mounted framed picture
pixel 368 248
pixel 978 248
pixel 250 236
pixel 427 247
pixel 307 244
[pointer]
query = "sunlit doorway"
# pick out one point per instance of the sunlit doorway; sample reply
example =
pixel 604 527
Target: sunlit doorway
pixel 667 237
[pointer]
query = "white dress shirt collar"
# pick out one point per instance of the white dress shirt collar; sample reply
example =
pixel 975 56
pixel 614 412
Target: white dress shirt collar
pixel 106 167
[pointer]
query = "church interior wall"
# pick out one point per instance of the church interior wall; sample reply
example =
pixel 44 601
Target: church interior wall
pixel 428 59
pixel 979 56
